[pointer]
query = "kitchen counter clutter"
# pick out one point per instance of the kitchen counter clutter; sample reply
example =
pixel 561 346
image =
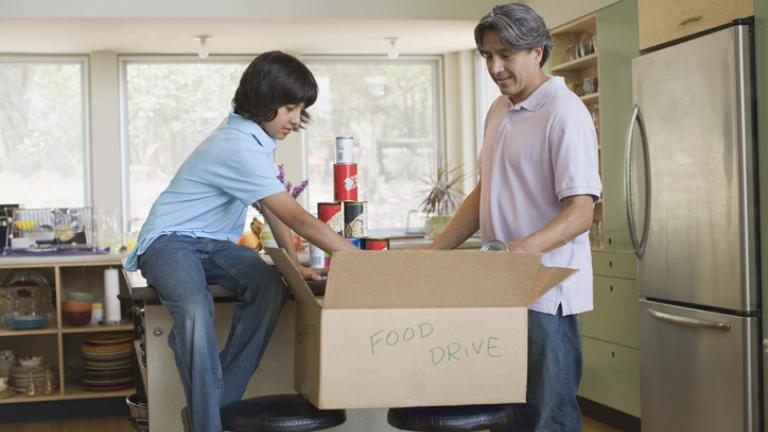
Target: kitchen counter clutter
pixel 37 287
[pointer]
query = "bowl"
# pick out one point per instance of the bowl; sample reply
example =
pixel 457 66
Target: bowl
pixel 80 296
pixel 77 317
pixel 30 362
pixel 137 407
pixel 72 305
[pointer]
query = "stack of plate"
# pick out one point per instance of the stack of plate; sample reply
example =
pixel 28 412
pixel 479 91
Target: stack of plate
pixel 107 362
pixel 41 376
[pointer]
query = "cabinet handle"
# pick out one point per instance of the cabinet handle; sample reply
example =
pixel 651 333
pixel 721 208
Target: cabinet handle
pixel 610 288
pixel 610 264
pixel 689 21
pixel 157 331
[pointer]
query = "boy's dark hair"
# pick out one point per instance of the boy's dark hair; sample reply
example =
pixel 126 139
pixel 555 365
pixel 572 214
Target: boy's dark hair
pixel 272 80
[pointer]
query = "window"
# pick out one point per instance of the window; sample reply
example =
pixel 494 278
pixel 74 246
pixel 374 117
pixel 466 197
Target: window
pixel 43 138
pixel 392 111
pixel 169 106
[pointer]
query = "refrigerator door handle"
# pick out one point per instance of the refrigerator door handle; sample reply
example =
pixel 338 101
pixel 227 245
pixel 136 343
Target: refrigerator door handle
pixel 638 244
pixel 689 322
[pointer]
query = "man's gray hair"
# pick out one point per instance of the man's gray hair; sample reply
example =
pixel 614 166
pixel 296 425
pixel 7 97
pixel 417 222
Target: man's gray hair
pixel 519 27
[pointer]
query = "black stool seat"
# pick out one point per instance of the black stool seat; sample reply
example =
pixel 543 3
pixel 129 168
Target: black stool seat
pixel 278 413
pixel 449 418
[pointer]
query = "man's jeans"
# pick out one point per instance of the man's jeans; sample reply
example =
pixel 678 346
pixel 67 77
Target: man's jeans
pixel 180 268
pixel 554 373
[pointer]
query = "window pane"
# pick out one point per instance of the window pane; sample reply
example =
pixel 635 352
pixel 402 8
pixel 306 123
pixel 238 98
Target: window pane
pixel 390 109
pixel 42 145
pixel 171 107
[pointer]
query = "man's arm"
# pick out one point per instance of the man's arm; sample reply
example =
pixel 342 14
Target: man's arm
pixel 464 223
pixel 289 212
pixel 575 219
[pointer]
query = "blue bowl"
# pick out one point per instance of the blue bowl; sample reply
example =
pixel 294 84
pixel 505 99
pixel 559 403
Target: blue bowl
pixel 26 322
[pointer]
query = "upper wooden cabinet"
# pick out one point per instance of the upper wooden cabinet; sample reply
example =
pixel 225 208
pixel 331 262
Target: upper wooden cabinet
pixel 662 21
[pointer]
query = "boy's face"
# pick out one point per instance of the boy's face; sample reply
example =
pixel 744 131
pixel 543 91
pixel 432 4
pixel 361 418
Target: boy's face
pixel 287 120
pixel 514 71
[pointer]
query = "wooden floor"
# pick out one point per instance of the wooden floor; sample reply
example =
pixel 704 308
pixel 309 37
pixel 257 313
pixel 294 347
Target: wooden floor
pixel 120 424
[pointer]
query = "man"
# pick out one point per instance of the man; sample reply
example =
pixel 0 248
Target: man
pixel 538 184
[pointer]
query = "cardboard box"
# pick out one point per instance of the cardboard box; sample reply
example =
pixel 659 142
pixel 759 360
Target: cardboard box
pixel 416 327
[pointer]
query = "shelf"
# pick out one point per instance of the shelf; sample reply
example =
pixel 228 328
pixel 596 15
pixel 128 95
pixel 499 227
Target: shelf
pixel 125 325
pixel 41 331
pixel 73 392
pixel 577 26
pixel 578 64
pixel 590 98
pixel 84 260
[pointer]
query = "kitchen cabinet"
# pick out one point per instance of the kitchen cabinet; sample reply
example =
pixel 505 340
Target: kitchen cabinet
pixel 662 21
pixel 611 335
pixel 59 343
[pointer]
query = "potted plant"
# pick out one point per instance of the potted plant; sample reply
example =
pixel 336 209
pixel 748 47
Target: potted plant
pixel 444 195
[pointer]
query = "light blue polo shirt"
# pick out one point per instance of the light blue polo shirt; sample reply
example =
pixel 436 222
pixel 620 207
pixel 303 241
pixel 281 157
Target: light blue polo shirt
pixel 210 193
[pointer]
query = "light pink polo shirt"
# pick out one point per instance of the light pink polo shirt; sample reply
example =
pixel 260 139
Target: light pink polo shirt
pixel 535 154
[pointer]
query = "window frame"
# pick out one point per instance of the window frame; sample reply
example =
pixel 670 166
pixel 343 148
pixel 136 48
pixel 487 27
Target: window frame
pixel 85 85
pixel 438 87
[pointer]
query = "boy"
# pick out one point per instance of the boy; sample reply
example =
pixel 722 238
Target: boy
pixel 187 241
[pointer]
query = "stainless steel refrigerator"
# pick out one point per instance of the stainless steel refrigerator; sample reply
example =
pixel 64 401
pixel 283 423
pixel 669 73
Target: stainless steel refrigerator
pixel 691 203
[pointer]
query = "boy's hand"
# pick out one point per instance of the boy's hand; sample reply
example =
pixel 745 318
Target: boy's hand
pixel 311 273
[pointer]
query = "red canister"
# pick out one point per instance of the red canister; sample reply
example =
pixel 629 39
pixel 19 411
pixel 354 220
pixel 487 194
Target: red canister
pixel 345 182
pixel 330 213
pixel 376 244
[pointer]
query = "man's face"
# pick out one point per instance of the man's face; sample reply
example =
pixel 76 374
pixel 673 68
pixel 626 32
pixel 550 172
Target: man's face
pixel 514 71
pixel 287 120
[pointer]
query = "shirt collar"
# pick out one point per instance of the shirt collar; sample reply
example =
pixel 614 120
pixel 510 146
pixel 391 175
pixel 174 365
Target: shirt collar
pixel 540 96
pixel 252 128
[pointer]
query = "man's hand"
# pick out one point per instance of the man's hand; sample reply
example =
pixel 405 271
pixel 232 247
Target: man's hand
pixel 312 273
pixel 521 246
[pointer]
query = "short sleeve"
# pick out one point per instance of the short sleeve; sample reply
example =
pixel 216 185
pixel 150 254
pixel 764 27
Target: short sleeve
pixel 247 173
pixel 573 152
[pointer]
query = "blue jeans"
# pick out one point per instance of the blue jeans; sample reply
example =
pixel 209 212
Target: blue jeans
pixel 554 373
pixel 180 268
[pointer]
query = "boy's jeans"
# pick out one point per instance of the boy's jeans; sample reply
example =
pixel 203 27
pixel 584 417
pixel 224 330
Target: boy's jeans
pixel 554 373
pixel 180 268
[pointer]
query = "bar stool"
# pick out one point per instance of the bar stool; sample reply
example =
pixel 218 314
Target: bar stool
pixel 275 413
pixel 450 418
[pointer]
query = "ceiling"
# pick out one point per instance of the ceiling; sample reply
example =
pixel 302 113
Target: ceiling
pixel 228 36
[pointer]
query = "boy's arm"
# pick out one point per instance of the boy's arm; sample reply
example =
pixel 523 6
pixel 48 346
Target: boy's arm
pixel 289 212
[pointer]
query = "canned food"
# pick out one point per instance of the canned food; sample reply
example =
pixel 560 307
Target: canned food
pixel 376 244
pixel 345 182
pixel 330 213
pixel 494 246
pixel 356 242
pixel 355 215
pixel 316 257
pixel 344 150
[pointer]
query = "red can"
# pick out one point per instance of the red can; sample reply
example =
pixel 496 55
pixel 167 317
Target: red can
pixel 345 182
pixel 330 213
pixel 376 244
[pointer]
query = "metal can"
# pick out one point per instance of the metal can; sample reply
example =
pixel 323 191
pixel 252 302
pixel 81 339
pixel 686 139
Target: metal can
pixel 356 242
pixel 494 246
pixel 331 214
pixel 345 182
pixel 355 219
pixel 316 257
pixel 344 150
pixel 376 244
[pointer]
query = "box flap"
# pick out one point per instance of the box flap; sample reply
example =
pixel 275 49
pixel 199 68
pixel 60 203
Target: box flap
pixel 548 277
pixel 296 282
pixel 435 279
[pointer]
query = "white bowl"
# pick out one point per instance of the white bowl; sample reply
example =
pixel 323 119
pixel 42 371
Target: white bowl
pixel 30 362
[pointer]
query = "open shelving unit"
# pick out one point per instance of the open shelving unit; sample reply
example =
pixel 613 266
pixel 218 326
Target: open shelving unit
pixel 58 343
pixel 575 57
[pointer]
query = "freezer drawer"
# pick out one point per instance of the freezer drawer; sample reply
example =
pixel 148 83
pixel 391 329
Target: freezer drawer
pixel 698 370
